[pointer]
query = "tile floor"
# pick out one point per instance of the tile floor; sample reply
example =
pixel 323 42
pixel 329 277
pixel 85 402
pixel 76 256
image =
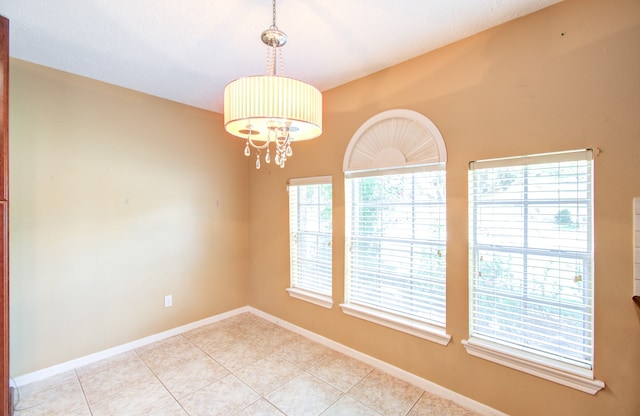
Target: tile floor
pixel 243 365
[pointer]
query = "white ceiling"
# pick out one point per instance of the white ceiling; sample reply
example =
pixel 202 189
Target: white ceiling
pixel 188 50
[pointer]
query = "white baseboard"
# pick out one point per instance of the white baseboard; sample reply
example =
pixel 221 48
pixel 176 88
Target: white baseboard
pixel 101 355
pixel 399 373
pixel 373 362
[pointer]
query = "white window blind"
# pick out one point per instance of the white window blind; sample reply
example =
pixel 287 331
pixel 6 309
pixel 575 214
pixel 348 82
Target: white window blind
pixel 531 255
pixel 310 226
pixel 396 243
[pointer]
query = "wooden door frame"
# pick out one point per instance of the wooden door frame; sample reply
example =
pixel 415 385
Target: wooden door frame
pixel 5 397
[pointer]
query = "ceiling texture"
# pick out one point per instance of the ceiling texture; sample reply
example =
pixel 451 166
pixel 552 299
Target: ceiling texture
pixel 188 50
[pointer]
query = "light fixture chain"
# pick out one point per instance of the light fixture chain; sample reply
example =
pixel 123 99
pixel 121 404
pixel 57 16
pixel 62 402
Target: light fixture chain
pixel 274 14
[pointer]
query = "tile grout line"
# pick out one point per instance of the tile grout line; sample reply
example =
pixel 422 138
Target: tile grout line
pixel 415 403
pixel 84 394
pixel 160 381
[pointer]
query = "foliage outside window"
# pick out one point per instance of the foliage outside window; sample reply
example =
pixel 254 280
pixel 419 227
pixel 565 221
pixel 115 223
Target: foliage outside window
pixel 310 228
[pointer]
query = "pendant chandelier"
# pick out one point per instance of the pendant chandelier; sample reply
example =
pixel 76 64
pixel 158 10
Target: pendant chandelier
pixel 272 108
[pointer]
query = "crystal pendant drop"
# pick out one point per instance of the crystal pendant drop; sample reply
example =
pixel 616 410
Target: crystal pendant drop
pixel 267 157
pixel 247 152
pixel 257 161
pixel 289 151
pixel 278 158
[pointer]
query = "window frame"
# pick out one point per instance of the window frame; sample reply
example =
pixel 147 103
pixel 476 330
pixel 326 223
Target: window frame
pixel 560 370
pixel 295 290
pixel 422 328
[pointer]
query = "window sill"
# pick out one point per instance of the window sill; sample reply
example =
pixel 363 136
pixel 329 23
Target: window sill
pixel 409 326
pixel 311 297
pixel 552 370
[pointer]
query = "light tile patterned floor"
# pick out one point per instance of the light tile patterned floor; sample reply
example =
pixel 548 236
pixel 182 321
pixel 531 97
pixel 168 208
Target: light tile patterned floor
pixel 243 365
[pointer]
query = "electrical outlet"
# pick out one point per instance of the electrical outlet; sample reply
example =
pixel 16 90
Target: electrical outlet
pixel 168 301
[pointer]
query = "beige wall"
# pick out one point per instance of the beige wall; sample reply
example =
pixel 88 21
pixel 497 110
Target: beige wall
pixel 567 77
pixel 117 199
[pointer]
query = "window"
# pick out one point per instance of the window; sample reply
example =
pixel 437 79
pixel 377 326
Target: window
pixel 396 246
pixel 531 265
pixel 310 228
pixel 395 230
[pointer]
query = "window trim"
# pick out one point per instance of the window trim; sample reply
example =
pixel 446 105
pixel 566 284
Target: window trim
pixel 311 297
pixel 325 301
pixel 310 180
pixel 413 326
pixel 573 376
